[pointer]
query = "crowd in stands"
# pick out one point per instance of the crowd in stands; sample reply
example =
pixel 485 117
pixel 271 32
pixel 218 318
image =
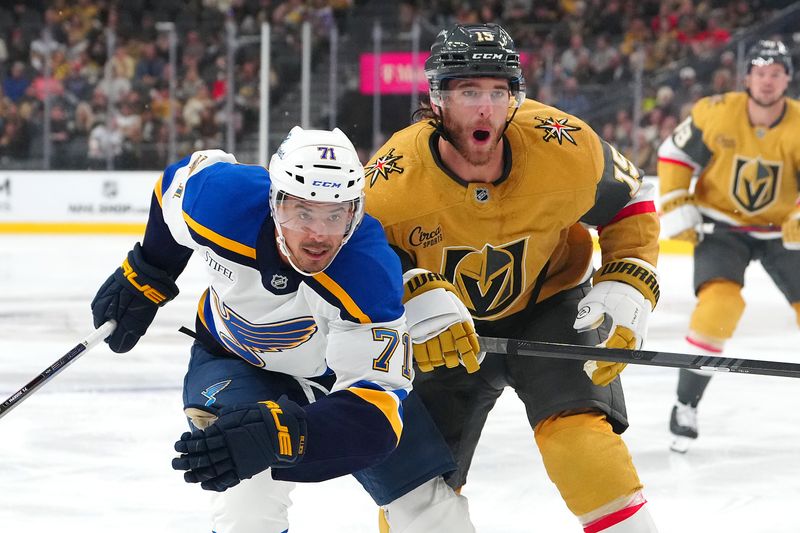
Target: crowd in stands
pixel 111 103
pixel 109 96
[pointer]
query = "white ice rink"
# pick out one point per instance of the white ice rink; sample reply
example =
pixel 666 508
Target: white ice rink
pixel 90 452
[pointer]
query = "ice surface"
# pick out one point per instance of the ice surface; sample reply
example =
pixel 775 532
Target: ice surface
pixel 90 451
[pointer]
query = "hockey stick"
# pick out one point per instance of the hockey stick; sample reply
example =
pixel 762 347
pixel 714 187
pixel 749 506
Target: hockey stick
pixel 33 385
pixel 711 227
pixel 638 357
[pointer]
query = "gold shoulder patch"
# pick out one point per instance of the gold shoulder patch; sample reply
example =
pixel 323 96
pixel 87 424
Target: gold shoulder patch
pixel 558 129
pixel 383 166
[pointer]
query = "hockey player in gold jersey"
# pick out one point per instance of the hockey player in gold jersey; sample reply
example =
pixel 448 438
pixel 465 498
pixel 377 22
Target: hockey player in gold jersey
pixel 745 148
pixel 487 200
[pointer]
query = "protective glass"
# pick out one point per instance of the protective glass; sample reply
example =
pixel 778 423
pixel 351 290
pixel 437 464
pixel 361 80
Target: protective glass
pixel 320 218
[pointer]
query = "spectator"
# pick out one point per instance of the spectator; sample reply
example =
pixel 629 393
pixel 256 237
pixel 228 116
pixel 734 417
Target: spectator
pixel 14 86
pixel 61 132
pixel 149 68
pixel 15 137
pixel 104 143
pixel 571 56
pixel 605 60
pixel 572 101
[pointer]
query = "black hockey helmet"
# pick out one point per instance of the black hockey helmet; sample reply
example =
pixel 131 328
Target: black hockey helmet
pixel 474 50
pixel 767 52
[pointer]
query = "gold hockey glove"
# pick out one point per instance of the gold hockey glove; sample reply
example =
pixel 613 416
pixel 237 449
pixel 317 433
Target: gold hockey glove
pixel 790 230
pixel 627 291
pixel 441 327
pixel 680 218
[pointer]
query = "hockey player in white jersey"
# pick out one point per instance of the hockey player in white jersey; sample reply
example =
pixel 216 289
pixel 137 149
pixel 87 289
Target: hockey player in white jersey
pixel 301 369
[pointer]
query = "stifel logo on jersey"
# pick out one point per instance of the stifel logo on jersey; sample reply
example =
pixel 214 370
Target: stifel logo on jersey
pixel 489 280
pixel 755 183
pixel 558 129
pixel 383 166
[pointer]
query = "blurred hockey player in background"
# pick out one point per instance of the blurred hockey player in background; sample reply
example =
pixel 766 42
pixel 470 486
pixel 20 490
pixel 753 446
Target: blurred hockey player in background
pixel 746 150
pixel 301 369
pixel 487 201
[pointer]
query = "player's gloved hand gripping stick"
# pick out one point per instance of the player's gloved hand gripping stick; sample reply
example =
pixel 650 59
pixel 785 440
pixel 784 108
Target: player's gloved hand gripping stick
pixel 626 291
pixel 131 296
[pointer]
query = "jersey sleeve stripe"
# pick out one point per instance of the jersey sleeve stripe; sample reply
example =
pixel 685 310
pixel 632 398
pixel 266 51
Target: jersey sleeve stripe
pixel 339 293
pixel 630 210
pixel 157 190
pixel 386 403
pixel 675 162
pixel 216 238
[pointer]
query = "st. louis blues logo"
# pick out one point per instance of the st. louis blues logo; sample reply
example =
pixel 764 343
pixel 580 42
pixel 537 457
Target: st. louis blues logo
pixel 557 129
pixel 211 392
pixel 383 166
pixel 249 340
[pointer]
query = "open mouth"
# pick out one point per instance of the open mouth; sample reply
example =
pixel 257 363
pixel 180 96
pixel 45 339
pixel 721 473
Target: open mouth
pixel 481 135
pixel 314 252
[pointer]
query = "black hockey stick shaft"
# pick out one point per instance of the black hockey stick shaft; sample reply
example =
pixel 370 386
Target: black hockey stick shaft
pixel 51 371
pixel 639 357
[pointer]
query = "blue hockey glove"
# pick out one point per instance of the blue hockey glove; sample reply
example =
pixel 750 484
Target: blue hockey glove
pixel 131 296
pixel 245 440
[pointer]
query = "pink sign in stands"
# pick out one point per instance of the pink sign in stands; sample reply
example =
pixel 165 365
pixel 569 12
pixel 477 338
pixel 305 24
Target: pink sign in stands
pixel 396 74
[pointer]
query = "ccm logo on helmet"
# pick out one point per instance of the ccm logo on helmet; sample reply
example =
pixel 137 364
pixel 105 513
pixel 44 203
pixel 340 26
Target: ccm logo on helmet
pixel 328 184
pixel 487 56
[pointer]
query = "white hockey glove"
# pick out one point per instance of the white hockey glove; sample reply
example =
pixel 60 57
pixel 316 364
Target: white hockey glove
pixel 441 327
pixel 680 218
pixel 627 291
pixel 790 230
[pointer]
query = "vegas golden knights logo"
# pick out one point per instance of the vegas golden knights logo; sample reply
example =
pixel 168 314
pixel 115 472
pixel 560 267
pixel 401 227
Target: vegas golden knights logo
pixel 491 279
pixel 755 183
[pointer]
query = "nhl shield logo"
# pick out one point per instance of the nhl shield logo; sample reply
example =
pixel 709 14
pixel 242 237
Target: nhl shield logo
pixel 279 281
pixel 482 195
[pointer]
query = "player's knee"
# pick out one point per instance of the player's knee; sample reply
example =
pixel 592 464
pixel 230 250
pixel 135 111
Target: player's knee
pixel 433 506
pixel 719 307
pixel 256 505
pixel 589 463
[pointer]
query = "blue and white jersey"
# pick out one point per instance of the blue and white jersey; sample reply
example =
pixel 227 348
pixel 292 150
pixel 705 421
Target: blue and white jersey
pixel 348 319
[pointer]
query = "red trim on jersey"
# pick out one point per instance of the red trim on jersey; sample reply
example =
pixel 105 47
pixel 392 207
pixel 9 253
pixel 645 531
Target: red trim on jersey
pixel 703 345
pixel 638 208
pixel 675 162
pixel 612 519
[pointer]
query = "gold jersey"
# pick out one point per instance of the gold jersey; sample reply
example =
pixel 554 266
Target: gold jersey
pixel 748 175
pixel 524 237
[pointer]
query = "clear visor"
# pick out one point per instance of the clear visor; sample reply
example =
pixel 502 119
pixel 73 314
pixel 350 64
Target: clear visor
pixel 470 97
pixel 319 218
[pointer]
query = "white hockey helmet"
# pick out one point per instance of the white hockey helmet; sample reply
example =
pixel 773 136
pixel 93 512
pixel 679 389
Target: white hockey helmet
pixel 316 167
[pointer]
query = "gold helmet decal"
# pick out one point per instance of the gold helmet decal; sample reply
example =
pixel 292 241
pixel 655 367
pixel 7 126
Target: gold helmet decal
pixel 755 183
pixel 489 280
